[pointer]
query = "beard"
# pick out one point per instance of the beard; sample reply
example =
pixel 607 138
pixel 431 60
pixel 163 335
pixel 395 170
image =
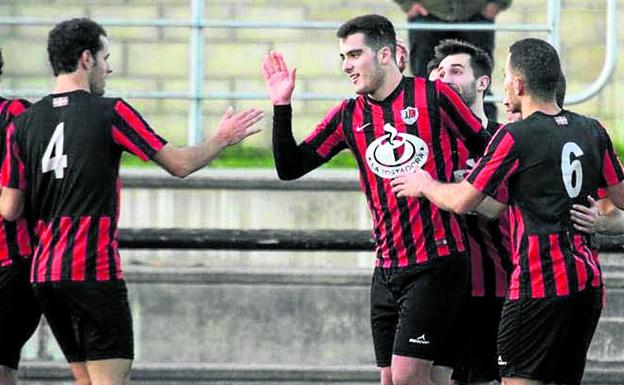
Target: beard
pixel 468 92
pixel 376 79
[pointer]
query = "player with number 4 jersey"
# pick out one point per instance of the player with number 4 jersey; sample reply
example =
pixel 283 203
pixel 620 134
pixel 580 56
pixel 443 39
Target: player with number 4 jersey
pixel 62 170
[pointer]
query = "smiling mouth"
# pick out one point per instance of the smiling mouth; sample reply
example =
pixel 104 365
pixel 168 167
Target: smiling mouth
pixel 354 78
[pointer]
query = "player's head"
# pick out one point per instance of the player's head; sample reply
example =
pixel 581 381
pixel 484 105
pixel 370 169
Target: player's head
pixel 80 45
pixel 532 70
pixel 367 49
pixel 465 67
pixel 432 69
pixel 559 97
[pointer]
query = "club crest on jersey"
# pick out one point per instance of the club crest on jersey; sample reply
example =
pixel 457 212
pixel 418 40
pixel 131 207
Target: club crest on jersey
pixel 409 115
pixel 396 153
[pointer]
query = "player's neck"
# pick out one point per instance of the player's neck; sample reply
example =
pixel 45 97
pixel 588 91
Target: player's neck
pixel 393 78
pixel 530 105
pixel 71 82
pixel 478 109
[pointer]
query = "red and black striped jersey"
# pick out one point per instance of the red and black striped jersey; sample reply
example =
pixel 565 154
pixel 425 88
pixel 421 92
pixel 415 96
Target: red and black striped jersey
pixel 419 125
pixel 15 236
pixel 548 163
pixel 490 252
pixel 64 153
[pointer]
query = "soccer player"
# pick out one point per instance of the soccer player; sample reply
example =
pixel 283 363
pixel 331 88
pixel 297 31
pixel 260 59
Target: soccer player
pixel 395 125
pixel 62 169
pixel 550 160
pixel 468 69
pixel 19 311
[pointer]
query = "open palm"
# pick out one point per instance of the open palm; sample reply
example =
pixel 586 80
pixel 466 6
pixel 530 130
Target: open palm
pixel 280 82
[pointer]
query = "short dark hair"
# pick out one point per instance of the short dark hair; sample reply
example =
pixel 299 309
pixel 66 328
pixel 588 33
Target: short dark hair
pixel 560 92
pixel 378 31
pixel 1 62
pixel 69 39
pixel 480 61
pixel 432 65
pixel 537 62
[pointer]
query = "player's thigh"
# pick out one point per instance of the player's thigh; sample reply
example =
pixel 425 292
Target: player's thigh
pixel 429 305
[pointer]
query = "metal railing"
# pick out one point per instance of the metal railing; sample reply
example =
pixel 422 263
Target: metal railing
pixel 198 24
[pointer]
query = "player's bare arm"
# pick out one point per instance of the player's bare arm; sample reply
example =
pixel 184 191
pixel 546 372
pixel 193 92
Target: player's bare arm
pixel 11 203
pixel 459 198
pixel 233 128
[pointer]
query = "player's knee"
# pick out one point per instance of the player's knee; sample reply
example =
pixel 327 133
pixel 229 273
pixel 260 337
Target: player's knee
pixel 410 377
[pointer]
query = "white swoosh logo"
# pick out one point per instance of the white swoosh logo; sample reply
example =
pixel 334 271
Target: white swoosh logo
pixel 360 128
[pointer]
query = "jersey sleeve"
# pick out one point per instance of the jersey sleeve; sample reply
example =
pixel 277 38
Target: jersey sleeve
pixel 325 141
pixel 612 172
pixel 132 133
pixel 500 161
pixel 15 108
pixel 13 171
pixel 457 117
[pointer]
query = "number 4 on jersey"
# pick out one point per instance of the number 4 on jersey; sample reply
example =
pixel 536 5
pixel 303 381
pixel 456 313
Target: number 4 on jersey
pixel 59 162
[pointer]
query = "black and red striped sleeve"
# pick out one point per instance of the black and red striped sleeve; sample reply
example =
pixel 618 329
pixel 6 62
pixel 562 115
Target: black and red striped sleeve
pixel 16 107
pixel 459 119
pixel 131 132
pixel 293 160
pixel 13 173
pixel 499 162
pixel 612 171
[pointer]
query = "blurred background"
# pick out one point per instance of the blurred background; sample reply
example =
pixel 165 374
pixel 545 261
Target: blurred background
pixel 146 59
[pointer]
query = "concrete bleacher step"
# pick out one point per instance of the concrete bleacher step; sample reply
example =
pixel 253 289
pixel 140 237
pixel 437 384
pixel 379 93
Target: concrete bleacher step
pixel 242 318
pixel 45 373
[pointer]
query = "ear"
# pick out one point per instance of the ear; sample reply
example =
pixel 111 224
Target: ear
pixel 86 59
pixel 519 86
pixel 483 82
pixel 384 55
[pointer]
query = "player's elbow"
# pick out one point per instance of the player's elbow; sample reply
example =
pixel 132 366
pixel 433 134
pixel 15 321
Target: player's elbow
pixel 284 175
pixel 179 171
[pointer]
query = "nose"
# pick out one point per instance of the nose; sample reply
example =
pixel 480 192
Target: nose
pixel 346 66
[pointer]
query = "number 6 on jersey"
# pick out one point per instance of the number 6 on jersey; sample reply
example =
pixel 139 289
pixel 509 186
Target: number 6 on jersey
pixel 572 170
pixel 59 162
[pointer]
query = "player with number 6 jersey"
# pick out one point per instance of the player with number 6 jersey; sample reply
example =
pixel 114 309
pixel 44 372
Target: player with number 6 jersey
pixel 549 161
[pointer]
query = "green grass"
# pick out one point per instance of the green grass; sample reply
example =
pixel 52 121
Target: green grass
pixel 246 157
pixel 258 157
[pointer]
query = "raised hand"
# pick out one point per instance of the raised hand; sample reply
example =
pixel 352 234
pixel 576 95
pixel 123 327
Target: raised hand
pixel 280 82
pixel 235 127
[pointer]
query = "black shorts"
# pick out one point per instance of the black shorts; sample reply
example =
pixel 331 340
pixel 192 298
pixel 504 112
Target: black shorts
pixel 547 339
pixel 19 312
pixel 413 308
pixel 476 335
pixel 90 320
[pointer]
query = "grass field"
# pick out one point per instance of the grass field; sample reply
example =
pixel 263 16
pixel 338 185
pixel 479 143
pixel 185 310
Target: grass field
pixel 258 157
